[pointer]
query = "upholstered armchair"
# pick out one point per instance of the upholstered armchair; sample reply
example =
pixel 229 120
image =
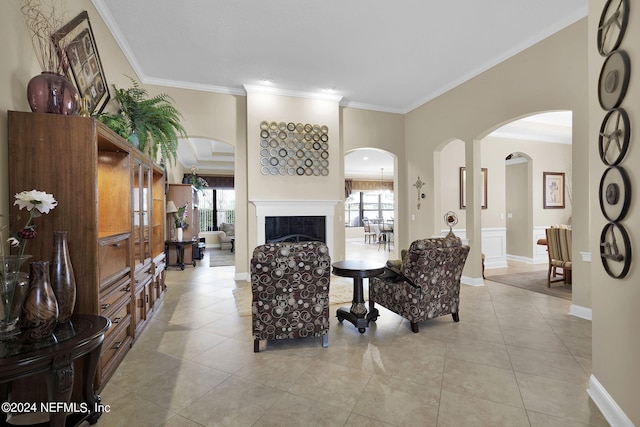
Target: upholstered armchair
pixel 227 232
pixel 290 289
pixel 426 285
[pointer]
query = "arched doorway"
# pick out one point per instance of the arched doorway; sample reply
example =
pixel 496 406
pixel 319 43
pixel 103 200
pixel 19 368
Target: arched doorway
pixel 370 202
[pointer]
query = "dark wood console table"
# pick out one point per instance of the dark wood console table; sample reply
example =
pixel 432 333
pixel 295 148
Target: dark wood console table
pixel 358 270
pixel 82 336
pixel 179 245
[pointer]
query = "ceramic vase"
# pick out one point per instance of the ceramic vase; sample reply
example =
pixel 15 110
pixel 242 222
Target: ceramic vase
pixel 13 290
pixel 52 93
pixel 63 281
pixel 179 232
pixel 40 309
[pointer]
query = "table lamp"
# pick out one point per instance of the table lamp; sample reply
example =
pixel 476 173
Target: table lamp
pixel 172 209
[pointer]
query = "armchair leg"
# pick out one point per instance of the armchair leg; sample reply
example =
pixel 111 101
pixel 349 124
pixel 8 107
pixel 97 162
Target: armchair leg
pixel 325 341
pixel 456 317
pixel 414 327
pixel 256 346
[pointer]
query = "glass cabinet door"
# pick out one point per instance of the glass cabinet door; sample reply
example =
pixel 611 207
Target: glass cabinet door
pixel 141 193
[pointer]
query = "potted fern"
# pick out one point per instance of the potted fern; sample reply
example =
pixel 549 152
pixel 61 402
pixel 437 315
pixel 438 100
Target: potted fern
pixel 150 124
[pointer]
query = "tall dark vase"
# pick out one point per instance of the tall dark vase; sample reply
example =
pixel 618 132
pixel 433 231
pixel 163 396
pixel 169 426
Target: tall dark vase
pixel 52 93
pixel 63 281
pixel 40 308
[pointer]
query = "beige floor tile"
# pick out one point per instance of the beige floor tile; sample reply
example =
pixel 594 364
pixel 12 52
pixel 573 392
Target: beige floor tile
pixel 330 383
pixel 291 409
pixel 545 341
pixel 194 364
pixel 547 364
pixel 142 366
pixel 234 402
pixel 559 398
pixel 133 410
pixel 180 386
pixel 473 350
pixel 460 410
pixel 481 381
pixel 398 402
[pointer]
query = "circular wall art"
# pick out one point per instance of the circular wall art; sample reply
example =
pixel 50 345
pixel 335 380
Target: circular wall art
pixel 612 25
pixel 613 140
pixel 615 193
pixel 615 250
pixel 614 79
pixel 295 149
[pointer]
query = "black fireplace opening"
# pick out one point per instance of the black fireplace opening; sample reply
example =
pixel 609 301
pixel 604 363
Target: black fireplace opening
pixel 295 228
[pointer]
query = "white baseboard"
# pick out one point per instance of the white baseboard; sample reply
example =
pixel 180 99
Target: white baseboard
pixel 579 311
pixel 465 280
pixel 609 408
pixel 242 276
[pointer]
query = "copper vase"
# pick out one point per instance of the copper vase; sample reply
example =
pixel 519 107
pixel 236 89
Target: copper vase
pixel 63 281
pixel 52 93
pixel 40 309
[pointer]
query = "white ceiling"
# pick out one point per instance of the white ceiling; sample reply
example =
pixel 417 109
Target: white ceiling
pixel 374 54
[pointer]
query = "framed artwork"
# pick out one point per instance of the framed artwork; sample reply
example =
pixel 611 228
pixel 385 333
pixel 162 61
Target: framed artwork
pixel 463 184
pixel 76 42
pixel 553 190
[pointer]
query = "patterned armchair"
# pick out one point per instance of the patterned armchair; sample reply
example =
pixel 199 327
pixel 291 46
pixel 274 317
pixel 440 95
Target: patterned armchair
pixel 428 283
pixel 290 288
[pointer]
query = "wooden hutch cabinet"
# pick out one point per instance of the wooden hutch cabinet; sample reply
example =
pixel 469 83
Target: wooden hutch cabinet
pixel 111 203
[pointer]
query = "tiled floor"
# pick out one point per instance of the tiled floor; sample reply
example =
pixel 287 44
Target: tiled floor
pixel 516 358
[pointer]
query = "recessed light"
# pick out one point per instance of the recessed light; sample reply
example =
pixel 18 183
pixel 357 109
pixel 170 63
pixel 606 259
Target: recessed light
pixel 365 158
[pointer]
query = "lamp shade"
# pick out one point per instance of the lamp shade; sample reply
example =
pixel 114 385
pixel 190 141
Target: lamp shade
pixel 171 207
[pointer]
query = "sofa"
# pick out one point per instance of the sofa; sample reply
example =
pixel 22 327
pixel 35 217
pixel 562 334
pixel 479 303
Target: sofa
pixel 227 235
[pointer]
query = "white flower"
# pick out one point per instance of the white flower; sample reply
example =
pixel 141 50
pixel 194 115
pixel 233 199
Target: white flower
pixel 13 242
pixel 41 201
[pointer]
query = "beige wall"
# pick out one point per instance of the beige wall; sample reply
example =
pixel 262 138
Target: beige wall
pixel 525 203
pixel 616 341
pixel 548 76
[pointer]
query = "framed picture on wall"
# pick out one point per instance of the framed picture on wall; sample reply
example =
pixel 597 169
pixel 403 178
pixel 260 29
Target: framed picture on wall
pixel 84 66
pixel 463 185
pixel 553 190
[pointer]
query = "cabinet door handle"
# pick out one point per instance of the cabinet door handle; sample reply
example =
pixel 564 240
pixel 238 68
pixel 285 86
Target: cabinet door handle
pixel 146 297
pixel 105 306
pixel 116 245
pixel 117 320
pixel 126 289
pixel 117 345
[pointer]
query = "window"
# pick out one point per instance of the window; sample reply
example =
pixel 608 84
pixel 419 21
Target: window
pixel 215 207
pixel 374 205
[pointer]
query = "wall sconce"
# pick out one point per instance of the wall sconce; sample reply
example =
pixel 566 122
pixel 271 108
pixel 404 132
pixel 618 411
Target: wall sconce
pixel 418 186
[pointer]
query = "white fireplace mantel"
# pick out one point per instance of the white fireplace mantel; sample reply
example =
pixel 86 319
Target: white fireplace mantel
pixel 265 208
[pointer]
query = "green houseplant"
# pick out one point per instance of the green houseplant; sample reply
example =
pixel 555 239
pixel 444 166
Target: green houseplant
pixel 151 124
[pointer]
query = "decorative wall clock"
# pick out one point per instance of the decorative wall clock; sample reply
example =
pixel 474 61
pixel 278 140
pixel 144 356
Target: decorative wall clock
pixel 615 250
pixel 614 79
pixel 612 25
pixel 615 193
pixel 613 141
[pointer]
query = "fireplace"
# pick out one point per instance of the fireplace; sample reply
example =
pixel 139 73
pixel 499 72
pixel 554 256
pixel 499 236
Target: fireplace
pixel 294 211
pixel 313 227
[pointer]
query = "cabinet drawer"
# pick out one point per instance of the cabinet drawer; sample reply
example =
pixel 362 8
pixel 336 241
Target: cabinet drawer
pixel 113 257
pixel 120 315
pixel 114 295
pixel 114 348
